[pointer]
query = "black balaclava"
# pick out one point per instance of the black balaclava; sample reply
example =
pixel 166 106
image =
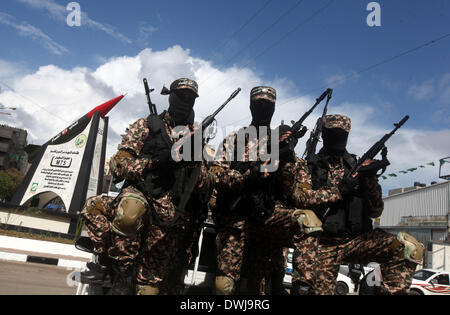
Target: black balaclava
pixel 181 104
pixel 262 105
pixel 262 112
pixel 334 140
pixel 182 95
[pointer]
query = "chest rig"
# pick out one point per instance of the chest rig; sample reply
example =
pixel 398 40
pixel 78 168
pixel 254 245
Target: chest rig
pixel 350 216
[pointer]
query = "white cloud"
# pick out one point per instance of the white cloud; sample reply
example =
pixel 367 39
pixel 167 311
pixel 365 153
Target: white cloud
pixel 28 30
pixel 436 92
pixel 9 71
pixel 337 79
pixel 60 13
pixel 145 31
pixel 444 88
pixel 421 91
pixel 66 95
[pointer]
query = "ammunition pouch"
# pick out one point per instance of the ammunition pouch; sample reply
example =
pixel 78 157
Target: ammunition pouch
pixel 225 286
pixel 129 215
pixel 147 290
pixel 413 250
pixel 308 221
pixel 349 217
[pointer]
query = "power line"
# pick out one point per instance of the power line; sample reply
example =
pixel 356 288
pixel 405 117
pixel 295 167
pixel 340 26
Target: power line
pixel 242 27
pixel 41 107
pixel 302 23
pixel 386 61
pixel 30 100
pixel 287 12
pixel 368 68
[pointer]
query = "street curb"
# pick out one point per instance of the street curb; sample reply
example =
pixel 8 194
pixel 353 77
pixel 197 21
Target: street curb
pixel 43 252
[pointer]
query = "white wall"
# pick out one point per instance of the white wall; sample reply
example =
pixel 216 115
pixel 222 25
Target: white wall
pixel 42 221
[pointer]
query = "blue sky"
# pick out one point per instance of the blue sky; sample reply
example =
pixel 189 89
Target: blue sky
pixel 336 42
pixel 333 40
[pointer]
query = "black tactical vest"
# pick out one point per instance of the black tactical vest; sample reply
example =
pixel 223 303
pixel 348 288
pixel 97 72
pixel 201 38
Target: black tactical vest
pixel 347 218
pixel 159 181
pixel 255 202
pixel 180 179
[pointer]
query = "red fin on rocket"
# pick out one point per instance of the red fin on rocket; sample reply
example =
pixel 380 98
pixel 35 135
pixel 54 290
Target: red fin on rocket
pixel 105 108
pixel 70 132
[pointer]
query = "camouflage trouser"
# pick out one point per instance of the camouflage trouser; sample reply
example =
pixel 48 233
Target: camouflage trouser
pixel 98 214
pixel 259 242
pixel 263 261
pixel 317 258
pixel 164 251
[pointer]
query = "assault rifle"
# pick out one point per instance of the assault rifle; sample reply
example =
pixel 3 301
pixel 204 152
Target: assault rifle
pixel 372 152
pixel 377 148
pixel 297 129
pixel 151 106
pixel 207 121
pixel 311 144
pixel 210 119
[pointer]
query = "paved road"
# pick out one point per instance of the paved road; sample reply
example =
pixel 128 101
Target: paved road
pixel 33 279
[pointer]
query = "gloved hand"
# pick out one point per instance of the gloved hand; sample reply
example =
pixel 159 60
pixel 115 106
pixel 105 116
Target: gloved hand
pixel 373 167
pixel 348 186
pixel 287 135
pixel 161 157
pixel 288 141
pixel 253 174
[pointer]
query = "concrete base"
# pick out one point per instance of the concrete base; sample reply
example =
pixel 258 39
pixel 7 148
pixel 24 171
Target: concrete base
pixel 25 250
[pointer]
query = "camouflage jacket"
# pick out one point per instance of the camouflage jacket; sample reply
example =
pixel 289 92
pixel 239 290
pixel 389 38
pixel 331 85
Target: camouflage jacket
pixel 232 182
pixel 296 188
pixel 127 164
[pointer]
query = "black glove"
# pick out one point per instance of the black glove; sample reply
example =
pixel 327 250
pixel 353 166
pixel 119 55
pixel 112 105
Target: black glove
pixel 283 129
pixel 255 175
pixel 348 186
pixel 161 157
pixel 287 153
pixel 373 168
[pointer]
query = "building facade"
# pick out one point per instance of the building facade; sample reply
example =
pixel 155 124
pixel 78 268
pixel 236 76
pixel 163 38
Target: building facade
pixel 423 212
pixel 12 144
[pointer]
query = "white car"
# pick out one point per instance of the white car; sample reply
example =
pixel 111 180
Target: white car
pixel 430 282
pixel 345 284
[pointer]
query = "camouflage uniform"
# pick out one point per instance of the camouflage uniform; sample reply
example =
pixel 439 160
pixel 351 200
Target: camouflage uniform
pixel 126 165
pixel 317 256
pixel 161 246
pixel 98 214
pixel 249 242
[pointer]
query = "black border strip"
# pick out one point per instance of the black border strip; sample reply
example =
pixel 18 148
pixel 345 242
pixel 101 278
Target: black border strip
pixel 42 260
